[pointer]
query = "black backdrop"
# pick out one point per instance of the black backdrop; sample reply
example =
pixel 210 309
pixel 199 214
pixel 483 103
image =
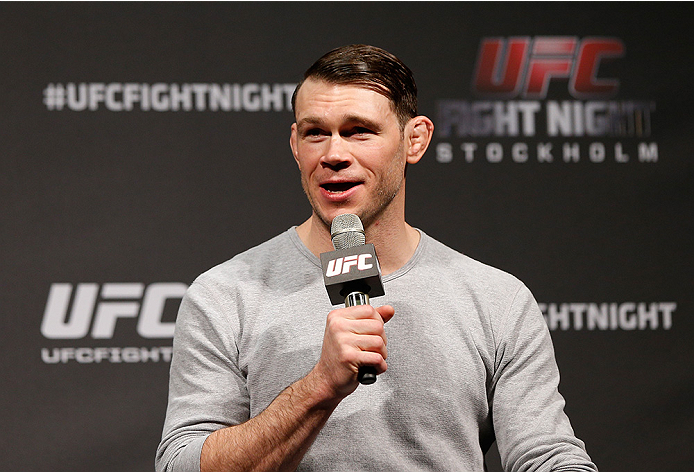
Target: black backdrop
pixel 141 144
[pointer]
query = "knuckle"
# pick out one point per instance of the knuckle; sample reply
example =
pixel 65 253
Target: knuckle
pixel 335 323
pixel 348 357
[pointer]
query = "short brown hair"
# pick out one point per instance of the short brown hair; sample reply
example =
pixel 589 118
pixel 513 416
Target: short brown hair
pixel 370 67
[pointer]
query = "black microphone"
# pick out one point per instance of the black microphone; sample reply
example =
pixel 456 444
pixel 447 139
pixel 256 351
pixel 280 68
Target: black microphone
pixel 351 273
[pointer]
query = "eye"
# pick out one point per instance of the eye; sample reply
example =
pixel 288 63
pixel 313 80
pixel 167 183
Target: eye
pixel 358 131
pixel 313 132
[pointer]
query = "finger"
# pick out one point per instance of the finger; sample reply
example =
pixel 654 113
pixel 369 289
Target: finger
pixel 340 321
pixel 365 326
pixel 359 312
pixel 386 312
pixel 373 359
pixel 371 343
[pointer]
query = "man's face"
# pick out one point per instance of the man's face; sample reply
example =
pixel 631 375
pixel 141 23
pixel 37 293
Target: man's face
pixel 349 147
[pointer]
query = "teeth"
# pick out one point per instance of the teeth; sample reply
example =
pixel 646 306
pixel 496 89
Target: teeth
pixel 339 187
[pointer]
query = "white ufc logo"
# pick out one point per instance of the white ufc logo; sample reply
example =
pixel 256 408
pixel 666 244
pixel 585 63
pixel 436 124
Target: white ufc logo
pixel 342 265
pixel 59 324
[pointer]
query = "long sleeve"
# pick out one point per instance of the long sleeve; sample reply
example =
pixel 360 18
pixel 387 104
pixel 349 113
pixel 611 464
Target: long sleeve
pixel 533 432
pixel 206 389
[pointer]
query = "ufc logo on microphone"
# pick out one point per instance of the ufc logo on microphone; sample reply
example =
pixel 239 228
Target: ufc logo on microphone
pixel 525 66
pixel 342 265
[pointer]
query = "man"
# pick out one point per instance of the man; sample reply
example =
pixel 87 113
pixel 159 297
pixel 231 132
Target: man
pixel 262 380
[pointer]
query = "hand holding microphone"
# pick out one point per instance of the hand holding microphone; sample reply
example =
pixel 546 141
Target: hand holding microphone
pixel 352 275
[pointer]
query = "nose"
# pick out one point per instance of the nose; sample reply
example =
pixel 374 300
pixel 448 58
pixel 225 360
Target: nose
pixel 337 154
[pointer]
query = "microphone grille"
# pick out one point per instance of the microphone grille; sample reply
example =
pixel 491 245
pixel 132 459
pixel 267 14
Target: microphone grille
pixel 347 231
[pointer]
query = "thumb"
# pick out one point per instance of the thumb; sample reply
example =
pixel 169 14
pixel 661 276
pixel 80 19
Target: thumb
pixel 386 312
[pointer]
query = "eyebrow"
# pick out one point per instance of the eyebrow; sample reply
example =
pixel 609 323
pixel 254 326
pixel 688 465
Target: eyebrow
pixel 346 119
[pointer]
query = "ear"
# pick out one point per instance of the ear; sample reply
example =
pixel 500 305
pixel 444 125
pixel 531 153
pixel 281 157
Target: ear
pixel 293 137
pixel 418 133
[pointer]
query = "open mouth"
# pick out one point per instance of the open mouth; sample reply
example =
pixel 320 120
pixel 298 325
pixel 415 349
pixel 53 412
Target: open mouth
pixel 339 187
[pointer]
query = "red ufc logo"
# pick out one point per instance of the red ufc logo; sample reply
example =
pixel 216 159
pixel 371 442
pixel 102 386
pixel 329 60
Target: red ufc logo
pixel 524 66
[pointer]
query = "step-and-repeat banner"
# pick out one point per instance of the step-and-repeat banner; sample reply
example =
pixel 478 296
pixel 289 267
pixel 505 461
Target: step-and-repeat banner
pixel 141 144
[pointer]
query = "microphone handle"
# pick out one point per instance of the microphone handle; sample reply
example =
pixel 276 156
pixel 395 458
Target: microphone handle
pixel 367 373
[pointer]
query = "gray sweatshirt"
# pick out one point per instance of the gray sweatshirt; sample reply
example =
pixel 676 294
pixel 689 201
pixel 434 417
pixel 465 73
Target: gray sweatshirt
pixel 470 360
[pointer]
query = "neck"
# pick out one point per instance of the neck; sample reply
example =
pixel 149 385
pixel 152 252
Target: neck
pixel 394 239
